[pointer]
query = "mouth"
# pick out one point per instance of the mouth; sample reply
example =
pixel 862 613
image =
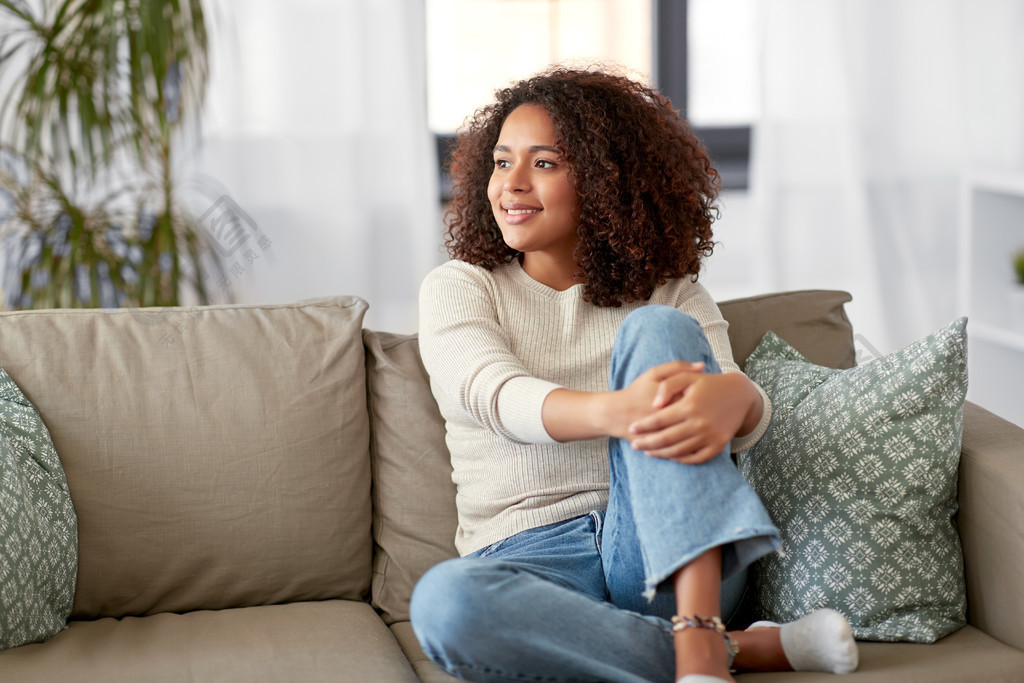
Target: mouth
pixel 516 213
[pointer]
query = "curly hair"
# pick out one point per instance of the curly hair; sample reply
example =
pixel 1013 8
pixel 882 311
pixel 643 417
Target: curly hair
pixel 645 185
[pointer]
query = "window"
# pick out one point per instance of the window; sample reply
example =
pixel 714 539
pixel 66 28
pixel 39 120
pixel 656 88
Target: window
pixel 706 62
pixel 709 71
pixel 475 46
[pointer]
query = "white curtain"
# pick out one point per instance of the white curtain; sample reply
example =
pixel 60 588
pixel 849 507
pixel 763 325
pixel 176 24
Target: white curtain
pixel 316 128
pixel 873 111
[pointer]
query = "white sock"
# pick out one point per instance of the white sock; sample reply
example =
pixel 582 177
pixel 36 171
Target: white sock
pixel 820 641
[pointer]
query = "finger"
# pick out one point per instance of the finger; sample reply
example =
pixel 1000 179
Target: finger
pixel 674 413
pixel 668 443
pixel 665 370
pixel 699 457
pixel 671 388
pixel 681 444
pixel 684 451
pixel 668 416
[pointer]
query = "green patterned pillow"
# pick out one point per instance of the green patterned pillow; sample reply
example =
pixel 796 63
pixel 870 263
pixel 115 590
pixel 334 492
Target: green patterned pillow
pixel 858 469
pixel 38 526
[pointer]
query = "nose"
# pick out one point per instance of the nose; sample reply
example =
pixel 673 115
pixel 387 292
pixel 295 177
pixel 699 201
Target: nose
pixel 517 179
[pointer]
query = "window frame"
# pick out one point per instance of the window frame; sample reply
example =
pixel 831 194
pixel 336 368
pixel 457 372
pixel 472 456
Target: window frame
pixel 728 146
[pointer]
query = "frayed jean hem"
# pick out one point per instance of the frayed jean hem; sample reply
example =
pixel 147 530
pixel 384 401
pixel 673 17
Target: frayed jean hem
pixel 737 554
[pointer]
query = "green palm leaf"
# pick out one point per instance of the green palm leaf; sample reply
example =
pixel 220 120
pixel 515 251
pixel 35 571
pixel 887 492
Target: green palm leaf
pixel 97 85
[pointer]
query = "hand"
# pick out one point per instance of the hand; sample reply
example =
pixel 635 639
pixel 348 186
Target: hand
pixel 648 393
pixel 573 415
pixel 696 415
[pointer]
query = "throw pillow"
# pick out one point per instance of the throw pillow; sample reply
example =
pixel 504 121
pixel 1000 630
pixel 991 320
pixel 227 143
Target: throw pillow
pixel 38 526
pixel 858 469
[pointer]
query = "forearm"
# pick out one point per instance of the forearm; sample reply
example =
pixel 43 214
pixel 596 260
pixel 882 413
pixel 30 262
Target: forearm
pixel 756 403
pixel 577 415
pixel 658 400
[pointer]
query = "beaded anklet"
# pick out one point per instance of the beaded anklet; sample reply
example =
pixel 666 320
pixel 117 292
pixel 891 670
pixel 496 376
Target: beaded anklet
pixel 715 624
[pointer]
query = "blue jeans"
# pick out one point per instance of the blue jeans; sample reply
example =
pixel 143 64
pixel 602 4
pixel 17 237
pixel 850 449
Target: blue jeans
pixel 588 599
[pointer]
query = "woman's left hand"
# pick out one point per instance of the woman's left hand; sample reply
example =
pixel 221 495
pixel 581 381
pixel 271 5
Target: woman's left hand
pixel 697 415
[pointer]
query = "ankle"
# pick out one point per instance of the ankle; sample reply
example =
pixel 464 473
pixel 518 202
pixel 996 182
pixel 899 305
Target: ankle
pixel 702 647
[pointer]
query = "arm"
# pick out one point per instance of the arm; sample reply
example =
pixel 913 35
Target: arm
pixel 691 416
pixel 672 411
pixel 572 415
pixel 469 357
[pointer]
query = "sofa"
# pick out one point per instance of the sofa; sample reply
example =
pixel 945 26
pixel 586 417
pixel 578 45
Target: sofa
pixel 258 488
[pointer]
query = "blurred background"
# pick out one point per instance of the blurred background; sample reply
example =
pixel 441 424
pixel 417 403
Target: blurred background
pixel 875 146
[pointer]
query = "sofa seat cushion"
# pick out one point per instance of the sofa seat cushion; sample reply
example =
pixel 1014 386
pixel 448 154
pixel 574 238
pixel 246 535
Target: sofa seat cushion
pixel 425 668
pixel 217 456
pixel 307 641
pixel 967 655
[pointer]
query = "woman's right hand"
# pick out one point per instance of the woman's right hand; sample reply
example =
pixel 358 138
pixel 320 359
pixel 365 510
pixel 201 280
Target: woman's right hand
pixel 648 393
pixel 571 415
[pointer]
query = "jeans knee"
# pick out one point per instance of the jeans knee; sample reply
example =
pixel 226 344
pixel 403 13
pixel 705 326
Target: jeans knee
pixel 659 317
pixel 655 334
pixel 658 325
pixel 443 608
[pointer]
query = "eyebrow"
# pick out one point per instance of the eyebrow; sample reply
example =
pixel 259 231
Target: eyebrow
pixel 533 149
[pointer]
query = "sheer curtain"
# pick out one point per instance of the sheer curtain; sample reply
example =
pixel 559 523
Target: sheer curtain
pixel 316 129
pixel 872 112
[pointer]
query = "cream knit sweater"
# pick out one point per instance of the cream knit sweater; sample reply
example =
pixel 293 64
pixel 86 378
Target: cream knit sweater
pixel 495 344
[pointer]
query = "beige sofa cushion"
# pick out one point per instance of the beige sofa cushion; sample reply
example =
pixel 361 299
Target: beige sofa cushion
pixel 812 321
pixel 956 658
pixel 425 668
pixel 216 457
pixel 414 518
pixel 967 655
pixel 304 642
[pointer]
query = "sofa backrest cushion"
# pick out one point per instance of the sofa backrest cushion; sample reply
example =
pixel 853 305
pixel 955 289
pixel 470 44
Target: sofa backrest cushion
pixel 217 457
pixel 414 499
pixel 812 321
pixel 414 518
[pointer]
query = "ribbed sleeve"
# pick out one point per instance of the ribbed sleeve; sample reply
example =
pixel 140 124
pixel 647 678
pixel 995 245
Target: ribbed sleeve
pixel 495 344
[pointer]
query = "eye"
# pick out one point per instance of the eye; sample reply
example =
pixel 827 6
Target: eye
pixel 544 163
pixel 501 163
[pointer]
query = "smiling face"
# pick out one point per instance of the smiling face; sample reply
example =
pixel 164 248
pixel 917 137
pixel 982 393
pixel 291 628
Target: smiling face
pixel 531 193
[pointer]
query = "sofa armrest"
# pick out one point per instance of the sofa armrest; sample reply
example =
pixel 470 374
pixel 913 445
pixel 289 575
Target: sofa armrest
pixel 991 523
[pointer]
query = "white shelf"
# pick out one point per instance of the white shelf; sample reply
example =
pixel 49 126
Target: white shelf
pixel 1011 339
pixel 991 231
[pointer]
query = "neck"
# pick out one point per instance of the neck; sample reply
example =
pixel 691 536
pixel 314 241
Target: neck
pixel 556 273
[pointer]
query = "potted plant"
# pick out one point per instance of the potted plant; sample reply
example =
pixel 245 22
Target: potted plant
pixel 99 99
pixel 1017 291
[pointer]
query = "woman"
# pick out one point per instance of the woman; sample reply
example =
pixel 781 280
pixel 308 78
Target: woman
pixel 591 399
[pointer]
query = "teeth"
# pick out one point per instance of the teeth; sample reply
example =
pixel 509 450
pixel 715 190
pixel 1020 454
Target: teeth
pixel 519 212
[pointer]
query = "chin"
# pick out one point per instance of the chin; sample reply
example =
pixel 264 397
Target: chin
pixel 512 243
